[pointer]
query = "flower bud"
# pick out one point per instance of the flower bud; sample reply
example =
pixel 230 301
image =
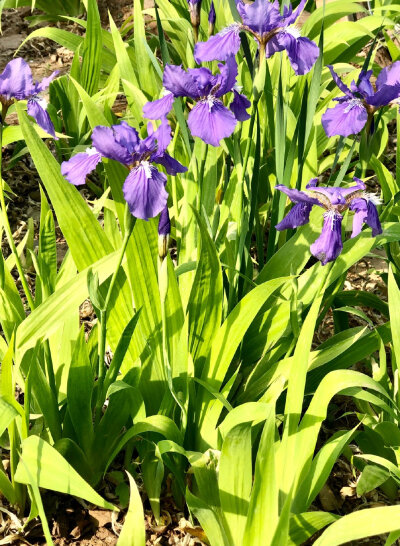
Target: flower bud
pixel 164 229
pixel 211 19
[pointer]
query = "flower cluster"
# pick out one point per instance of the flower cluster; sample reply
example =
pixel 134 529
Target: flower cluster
pixel 16 83
pixel 144 187
pixel 335 201
pixel 273 32
pixel 209 120
pixel 360 101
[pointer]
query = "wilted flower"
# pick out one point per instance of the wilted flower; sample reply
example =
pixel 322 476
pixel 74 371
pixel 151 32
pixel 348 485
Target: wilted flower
pixel 335 201
pixel 211 19
pixel 360 101
pixel 209 120
pixel 16 83
pixel 273 31
pixel 144 187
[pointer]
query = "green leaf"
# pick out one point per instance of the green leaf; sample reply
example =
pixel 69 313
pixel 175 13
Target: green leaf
pixel 92 47
pixel 208 519
pixel 51 471
pixel 303 526
pixel 361 524
pixel 371 477
pixel 79 393
pixel 235 493
pixel 153 474
pixel 205 302
pixel 133 531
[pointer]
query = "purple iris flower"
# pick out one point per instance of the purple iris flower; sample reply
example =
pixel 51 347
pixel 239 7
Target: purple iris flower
pixel 16 83
pixel 144 187
pixel 273 31
pixel 209 119
pixel 335 201
pixel 360 101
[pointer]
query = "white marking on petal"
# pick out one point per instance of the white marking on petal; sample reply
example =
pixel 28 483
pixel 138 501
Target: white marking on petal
pixel 147 168
pixel 43 103
pixel 293 31
pixel 237 88
pixel 331 215
pixel 373 197
pixel 352 104
pixel 234 27
pixel 165 92
pixel 91 151
pixel 210 100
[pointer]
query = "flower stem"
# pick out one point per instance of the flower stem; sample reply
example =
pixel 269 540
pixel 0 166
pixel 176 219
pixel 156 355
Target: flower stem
pixel 103 317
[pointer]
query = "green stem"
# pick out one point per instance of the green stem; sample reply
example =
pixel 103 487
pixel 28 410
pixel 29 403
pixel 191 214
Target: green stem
pixel 103 318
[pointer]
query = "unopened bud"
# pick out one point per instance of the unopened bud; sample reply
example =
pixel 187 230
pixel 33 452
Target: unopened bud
pixel 164 229
pixel 194 11
pixel 211 19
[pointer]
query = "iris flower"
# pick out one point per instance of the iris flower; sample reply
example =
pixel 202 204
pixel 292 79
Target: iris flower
pixel 209 119
pixel 335 201
pixel 273 32
pixel 144 187
pixel 16 83
pixel 360 100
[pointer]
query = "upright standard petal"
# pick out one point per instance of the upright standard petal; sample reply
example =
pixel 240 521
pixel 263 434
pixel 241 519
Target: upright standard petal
pixel 360 208
pixel 211 121
pixel 144 191
pixel 80 165
pixel 105 141
pixel 158 109
pixel 329 244
pixel 364 86
pixel 16 80
pixel 297 216
pixel 260 16
pixel 179 82
pixel 37 109
pixel 290 16
pixel 44 84
pixel 220 46
pixel 239 106
pixel 302 52
pixel 346 118
pixel 126 136
pixel 339 82
pixel 163 136
pixel 227 77
pixel 390 75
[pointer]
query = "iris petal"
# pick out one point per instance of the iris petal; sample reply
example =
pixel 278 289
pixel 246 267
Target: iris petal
pixel 157 109
pixel 79 166
pixel 301 51
pixel 329 244
pixel 220 46
pixel 41 116
pixel 105 141
pixel 144 191
pixel 297 216
pixel 16 80
pixel 346 118
pixel 211 122
pixel 239 106
pixel 179 82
